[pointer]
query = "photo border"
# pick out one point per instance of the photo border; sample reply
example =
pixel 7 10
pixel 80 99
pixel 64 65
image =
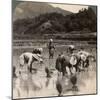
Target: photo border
pixel 12 53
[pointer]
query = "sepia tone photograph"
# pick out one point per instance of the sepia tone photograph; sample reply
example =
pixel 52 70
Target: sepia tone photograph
pixel 54 49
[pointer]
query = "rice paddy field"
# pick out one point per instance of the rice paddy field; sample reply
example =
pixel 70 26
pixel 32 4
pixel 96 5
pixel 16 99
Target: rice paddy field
pixel 38 84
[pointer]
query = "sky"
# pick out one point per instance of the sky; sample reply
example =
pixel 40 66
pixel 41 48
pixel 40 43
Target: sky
pixel 72 8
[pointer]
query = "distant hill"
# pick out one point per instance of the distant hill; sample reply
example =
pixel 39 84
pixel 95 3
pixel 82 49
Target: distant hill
pixel 55 24
pixel 33 9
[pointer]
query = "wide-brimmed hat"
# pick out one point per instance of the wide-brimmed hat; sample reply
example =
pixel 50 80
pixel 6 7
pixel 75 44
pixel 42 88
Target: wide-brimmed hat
pixel 40 49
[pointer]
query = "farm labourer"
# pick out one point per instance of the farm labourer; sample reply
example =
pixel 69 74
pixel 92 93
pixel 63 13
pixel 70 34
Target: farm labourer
pixel 28 58
pixel 72 63
pixel 74 60
pixel 51 48
pixel 64 68
pixel 84 56
pixel 61 63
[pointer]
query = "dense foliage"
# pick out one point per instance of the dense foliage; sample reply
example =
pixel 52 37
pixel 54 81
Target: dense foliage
pixel 54 23
pixel 85 19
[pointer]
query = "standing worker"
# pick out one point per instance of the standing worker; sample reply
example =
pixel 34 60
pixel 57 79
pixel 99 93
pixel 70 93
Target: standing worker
pixel 51 49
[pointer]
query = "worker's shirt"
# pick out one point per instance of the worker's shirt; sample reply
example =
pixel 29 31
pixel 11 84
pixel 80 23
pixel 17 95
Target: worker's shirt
pixel 51 45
